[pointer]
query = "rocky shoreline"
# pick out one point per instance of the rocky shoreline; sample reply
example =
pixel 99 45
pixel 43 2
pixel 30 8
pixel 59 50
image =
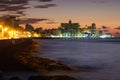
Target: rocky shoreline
pixel 22 57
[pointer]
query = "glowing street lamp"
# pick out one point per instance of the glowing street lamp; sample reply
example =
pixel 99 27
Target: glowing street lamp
pixel 2 31
pixel 1 35
pixel 0 26
pixel 5 29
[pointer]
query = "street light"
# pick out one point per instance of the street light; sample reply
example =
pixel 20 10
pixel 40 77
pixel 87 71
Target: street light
pixel 1 31
pixel 5 29
pixel 0 26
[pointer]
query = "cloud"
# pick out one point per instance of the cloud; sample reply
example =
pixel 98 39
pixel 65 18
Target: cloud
pixel 45 6
pixel 118 28
pixel 19 5
pixel 99 1
pixel 31 20
pixel 51 22
pixel 14 8
pixel 14 1
pixel 20 1
pixel 25 20
pixel 105 27
pixel 2 18
pixel 21 13
pixel 45 0
pixel 2 6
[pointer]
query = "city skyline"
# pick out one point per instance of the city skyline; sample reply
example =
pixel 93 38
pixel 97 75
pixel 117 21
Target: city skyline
pixel 50 13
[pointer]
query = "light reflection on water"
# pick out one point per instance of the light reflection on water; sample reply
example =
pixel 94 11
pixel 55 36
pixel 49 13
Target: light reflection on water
pixel 102 55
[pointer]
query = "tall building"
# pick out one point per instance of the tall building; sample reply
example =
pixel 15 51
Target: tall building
pixel 69 29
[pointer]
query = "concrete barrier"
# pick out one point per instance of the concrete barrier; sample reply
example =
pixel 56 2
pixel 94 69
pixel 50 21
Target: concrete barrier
pixel 12 42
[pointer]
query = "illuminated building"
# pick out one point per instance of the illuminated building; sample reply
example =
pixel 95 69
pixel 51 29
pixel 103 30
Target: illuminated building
pixel 108 35
pixel 1 31
pixel 11 24
pixel 69 29
pixel 91 31
pixel 11 29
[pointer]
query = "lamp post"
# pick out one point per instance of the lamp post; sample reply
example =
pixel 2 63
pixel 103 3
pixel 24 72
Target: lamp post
pixel 1 31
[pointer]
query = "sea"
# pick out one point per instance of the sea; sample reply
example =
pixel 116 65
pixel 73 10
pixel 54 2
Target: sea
pixel 94 59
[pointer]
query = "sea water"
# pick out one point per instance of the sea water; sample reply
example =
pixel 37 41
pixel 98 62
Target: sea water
pixel 102 57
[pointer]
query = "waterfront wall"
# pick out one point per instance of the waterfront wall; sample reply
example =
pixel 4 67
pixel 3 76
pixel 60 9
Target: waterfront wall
pixel 12 42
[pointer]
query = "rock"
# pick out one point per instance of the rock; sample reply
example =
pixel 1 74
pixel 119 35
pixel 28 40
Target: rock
pixel 1 76
pixel 15 78
pixel 32 61
pixel 24 58
pixel 62 78
pixel 58 77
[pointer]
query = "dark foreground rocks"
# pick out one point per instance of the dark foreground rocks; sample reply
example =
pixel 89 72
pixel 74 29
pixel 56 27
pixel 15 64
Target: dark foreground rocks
pixel 62 77
pixel 22 57
pixel 1 76
pixel 43 77
pixel 15 78
pixel 28 58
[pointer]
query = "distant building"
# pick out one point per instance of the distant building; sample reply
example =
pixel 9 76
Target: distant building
pixel 55 32
pixel 91 31
pixel 29 27
pixel 73 30
pixel 108 35
pixel 69 29
pixel 39 30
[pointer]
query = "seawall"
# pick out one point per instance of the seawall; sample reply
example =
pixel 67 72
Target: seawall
pixel 21 52
pixel 12 42
pixel 17 55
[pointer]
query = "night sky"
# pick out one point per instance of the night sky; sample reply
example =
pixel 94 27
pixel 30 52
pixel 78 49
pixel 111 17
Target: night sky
pixel 50 13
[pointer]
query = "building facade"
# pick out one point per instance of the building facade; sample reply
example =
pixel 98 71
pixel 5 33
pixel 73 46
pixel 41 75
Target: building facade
pixel 69 29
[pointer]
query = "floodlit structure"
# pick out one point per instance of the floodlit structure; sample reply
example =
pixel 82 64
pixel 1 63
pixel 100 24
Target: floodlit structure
pixel 11 29
pixel 69 29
